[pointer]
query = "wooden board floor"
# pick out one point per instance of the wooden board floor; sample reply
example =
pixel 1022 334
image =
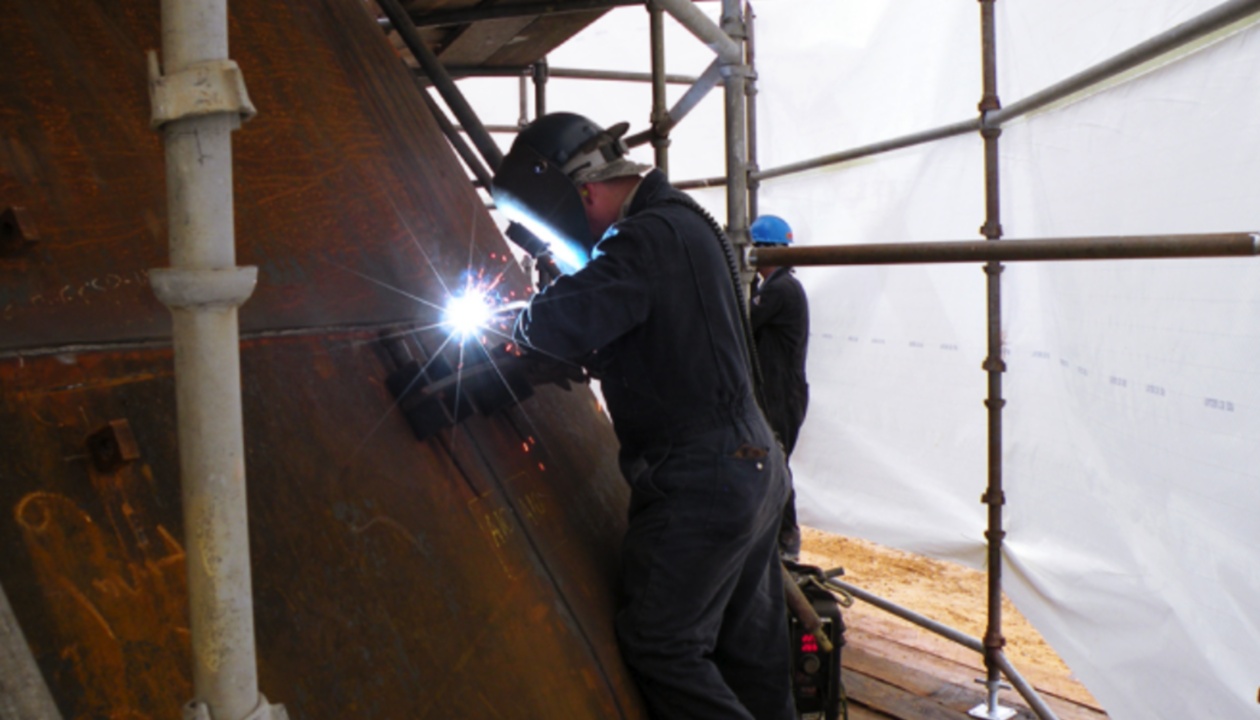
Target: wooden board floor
pixel 887 679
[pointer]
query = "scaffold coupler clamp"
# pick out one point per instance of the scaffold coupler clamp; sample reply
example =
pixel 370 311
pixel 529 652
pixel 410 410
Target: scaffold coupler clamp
pixel 737 69
pixel 198 710
pixel 205 88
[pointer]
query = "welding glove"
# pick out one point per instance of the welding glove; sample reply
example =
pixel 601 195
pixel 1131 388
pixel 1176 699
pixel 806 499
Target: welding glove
pixel 548 270
pixel 541 369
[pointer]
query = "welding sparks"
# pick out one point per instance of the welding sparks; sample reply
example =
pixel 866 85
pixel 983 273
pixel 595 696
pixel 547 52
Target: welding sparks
pixel 478 308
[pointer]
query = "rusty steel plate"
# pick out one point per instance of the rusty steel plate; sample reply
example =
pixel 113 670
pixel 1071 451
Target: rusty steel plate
pixel 471 574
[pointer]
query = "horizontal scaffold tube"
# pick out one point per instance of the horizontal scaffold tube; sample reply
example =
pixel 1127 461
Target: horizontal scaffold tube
pixel 1080 248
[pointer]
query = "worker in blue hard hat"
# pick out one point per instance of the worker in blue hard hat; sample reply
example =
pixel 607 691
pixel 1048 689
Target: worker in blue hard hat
pixel 780 321
pixel 652 307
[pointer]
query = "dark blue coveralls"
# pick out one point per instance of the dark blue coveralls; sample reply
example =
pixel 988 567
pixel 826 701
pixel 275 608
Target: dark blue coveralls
pixel 780 321
pixel 655 316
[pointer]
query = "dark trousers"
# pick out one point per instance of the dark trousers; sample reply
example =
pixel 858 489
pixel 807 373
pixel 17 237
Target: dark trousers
pixel 786 415
pixel 703 624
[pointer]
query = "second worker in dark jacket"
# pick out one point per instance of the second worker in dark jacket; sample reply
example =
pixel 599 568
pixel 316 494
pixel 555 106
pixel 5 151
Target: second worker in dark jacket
pixel 652 309
pixel 780 321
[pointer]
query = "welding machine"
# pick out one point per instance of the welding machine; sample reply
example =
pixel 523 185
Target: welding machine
pixel 816 683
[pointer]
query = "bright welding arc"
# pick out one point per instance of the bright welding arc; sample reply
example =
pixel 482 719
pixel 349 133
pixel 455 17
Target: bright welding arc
pixel 472 313
pixel 468 313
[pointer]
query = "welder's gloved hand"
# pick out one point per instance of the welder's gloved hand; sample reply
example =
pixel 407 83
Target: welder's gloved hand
pixel 541 370
pixel 548 270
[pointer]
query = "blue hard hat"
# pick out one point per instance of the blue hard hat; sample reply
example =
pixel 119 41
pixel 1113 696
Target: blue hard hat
pixel 771 230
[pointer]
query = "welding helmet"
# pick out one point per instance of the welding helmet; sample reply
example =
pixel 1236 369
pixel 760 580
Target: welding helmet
pixel 537 185
pixel 770 230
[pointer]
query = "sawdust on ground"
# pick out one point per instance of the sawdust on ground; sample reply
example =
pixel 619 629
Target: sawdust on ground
pixel 948 593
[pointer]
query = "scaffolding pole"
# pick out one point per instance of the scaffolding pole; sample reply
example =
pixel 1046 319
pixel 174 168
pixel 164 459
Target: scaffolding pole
pixel 660 112
pixel 994 366
pixel 467 117
pixel 690 99
pixel 699 24
pixel 1123 247
pixel 735 75
pixel 1191 31
pixel 441 80
pixel 750 56
pixel 541 72
pixel 23 692
pixel 471 159
pixel 507 71
pixel 198 103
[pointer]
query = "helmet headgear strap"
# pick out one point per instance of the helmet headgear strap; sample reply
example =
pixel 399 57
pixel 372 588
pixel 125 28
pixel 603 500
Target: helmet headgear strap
pixel 598 150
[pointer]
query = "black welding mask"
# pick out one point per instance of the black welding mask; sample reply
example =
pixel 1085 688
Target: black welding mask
pixel 538 183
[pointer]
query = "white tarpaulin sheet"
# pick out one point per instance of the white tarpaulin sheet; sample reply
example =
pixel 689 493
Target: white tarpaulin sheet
pixel 1131 436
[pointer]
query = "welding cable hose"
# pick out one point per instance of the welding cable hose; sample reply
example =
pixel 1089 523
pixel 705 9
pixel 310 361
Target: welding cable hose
pixel 843 597
pixel 804 611
pixel 732 266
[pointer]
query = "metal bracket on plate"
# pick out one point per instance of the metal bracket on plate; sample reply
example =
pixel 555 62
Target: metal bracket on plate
pixel 983 711
pixel 205 88
pixel 992 709
pixel 17 232
pixel 113 446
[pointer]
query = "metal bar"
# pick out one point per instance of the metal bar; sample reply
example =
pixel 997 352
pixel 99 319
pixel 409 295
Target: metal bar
pixel 904 141
pixel 1024 688
pixel 699 24
pixel 1188 32
pixel 1027 691
pixel 541 73
pixel 922 621
pixel 734 74
pixel 203 289
pixel 700 183
pixel 660 112
pixel 464 113
pixel 750 110
pixel 460 71
pixel 578 74
pixel 23 692
pixel 441 80
pixel 466 153
pixel 690 99
pixel 972 251
pixel 994 366
pixel 492 129
pixel 523 91
pixel 503 11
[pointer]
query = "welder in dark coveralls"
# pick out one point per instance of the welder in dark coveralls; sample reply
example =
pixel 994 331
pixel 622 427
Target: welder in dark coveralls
pixel 652 309
pixel 780 322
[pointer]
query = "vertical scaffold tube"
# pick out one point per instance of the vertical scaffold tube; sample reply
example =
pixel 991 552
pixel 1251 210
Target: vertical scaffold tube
pixel 23 692
pixel 660 109
pixel 203 289
pixel 994 365
pixel 734 75
pixel 750 54
pixel 541 74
